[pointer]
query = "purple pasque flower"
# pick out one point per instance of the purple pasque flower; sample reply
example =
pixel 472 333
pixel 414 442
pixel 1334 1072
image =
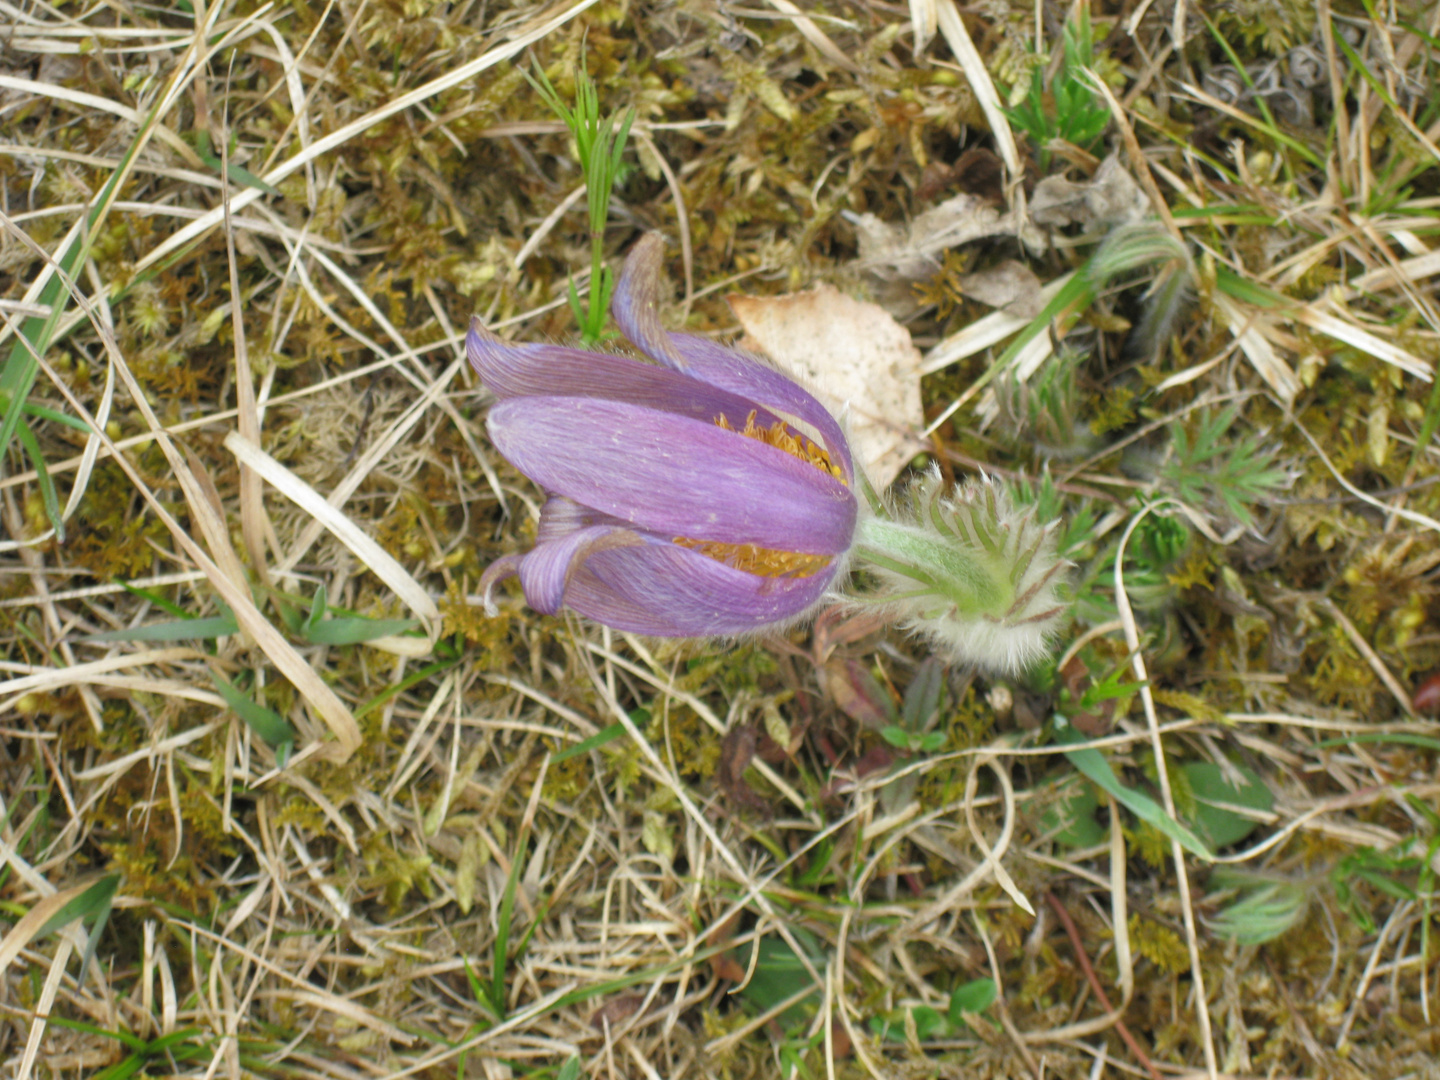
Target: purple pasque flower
pixel 704 493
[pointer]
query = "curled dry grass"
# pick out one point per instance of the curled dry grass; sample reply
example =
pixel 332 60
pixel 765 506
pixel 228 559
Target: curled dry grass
pixel 500 844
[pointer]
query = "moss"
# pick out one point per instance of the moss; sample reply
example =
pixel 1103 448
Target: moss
pixel 395 874
pixel 110 535
pixel 370 768
pixel 771 146
pixel 694 744
pixel 1159 944
pixel 136 833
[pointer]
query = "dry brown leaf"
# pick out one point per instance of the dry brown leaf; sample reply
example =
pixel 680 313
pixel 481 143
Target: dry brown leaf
pixel 615 1010
pixel 860 362
pixel 976 172
pixel 737 751
pixel 1110 199
pixel 857 693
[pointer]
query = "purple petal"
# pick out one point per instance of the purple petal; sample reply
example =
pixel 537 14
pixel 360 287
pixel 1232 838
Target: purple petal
pixel 674 476
pixel 671 591
pixel 740 373
pixel 507 566
pixel 636 308
pixel 560 517
pixel 636 304
pixel 510 371
pixel 546 571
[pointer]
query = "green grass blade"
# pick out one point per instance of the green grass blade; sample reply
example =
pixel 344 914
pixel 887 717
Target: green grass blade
pixel 156 599
pixel 18 374
pixel 594 742
pixel 347 631
pixel 215 626
pixel 317 610
pixel 166 1042
pixel 123 1070
pixel 133 1042
pixel 1406 738
pixel 40 412
pixel 502 928
pixel 1428 425
pixel 48 496
pixel 267 723
pixel 238 173
pixel 1240 288
pixel 477 988
pixel 1267 124
pixel 1077 293
pixel 404 684
pixel 96 902
pixel 93 901
pixel 1093 764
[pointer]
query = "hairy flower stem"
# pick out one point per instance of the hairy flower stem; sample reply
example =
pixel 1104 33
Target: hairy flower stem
pixel 966 570
pixel 963 576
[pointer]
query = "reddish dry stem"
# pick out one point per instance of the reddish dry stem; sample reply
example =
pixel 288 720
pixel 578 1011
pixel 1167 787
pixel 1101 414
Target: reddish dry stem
pixel 1073 931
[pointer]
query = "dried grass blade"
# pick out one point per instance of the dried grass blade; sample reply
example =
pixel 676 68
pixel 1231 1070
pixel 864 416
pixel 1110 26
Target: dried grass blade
pixel 1389 277
pixel 1177 854
pixel 815 35
pixel 42 1010
pixel 209 513
pixel 1245 325
pixel 93 103
pixel 551 220
pixel 1363 340
pixel 164 746
pixel 1073 295
pixel 983 333
pixel 50 679
pixel 253 520
pixel 35 921
pixel 379 561
pixel 1119 907
pixel 455 77
pixel 352 1012
pixel 924 20
pixel 953 28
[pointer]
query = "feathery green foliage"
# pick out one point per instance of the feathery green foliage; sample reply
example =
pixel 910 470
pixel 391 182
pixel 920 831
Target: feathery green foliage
pixel 1074 112
pixel 599 148
pixel 1235 472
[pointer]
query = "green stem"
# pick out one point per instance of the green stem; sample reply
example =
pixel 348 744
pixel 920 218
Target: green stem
pixel 975 581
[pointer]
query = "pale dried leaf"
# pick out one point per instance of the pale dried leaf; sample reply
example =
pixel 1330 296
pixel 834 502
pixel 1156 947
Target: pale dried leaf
pixel 859 360
pixel 1010 285
pixel 896 252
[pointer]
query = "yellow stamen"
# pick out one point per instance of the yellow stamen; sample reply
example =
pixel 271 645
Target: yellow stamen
pixel 781 437
pixel 763 562
pixel 768 562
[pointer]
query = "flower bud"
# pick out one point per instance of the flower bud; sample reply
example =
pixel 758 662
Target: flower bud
pixel 969 572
